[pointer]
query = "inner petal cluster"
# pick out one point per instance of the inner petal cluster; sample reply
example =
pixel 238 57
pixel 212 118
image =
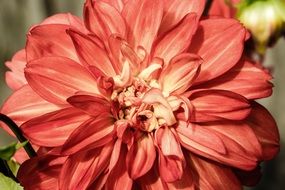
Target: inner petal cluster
pixel 130 106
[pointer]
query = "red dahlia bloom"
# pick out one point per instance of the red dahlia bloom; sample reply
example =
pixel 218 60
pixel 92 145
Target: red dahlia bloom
pixel 142 95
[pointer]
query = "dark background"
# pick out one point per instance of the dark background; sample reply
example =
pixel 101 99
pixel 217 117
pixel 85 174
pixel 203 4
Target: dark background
pixel 16 16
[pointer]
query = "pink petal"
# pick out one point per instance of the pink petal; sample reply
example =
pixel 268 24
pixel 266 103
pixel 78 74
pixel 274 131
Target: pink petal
pixel 43 172
pixel 57 78
pixel 50 40
pixel 119 177
pixel 141 157
pixel 213 175
pixel 29 107
pixel 179 75
pixel 162 108
pixel 220 44
pixel 176 10
pixel 118 4
pixel 15 78
pixel 92 105
pixel 90 53
pixel 66 19
pixel 54 128
pixel 91 134
pixel 246 78
pixel 171 159
pixel 142 27
pixel 103 19
pixel 176 41
pixel 222 9
pixel 152 181
pixel 265 128
pixel 82 168
pixel 212 105
pixel 242 147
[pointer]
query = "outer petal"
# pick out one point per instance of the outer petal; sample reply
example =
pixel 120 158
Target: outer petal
pixel 265 128
pixel 42 172
pixel 54 128
pixel 212 176
pixel 142 27
pixel 249 79
pixel 15 78
pixel 90 53
pixel 220 44
pixel 57 78
pixel 82 168
pixel 242 147
pixel 141 157
pixel 91 134
pixel 66 19
pixel 119 177
pixel 221 8
pixel 50 40
pixel 92 105
pixel 103 19
pixel 179 75
pixel 177 40
pixel 31 106
pixel 175 10
pixel 212 105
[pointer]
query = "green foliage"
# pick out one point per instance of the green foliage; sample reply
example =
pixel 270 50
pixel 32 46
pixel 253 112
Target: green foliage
pixel 7 152
pixel 7 183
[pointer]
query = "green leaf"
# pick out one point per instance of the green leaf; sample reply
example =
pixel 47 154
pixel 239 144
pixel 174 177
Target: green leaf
pixel 7 183
pixel 14 166
pixel 7 152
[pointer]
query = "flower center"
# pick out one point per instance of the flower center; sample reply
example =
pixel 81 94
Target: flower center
pixel 129 106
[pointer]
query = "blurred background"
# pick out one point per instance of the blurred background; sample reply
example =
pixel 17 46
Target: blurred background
pixel 17 16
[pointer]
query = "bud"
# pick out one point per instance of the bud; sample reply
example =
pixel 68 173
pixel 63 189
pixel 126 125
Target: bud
pixel 264 19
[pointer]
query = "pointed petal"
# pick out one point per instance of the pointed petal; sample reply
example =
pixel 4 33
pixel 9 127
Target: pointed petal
pixel 57 78
pixel 43 172
pixel 220 44
pixel 179 75
pixel 265 128
pixel 176 10
pixel 66 19
pixel 141 157
pixel 143 28
pixel 212 105
pixel 50 40
pixel 15 78
pixel 177 40
pixel 29 107
pixel 92 105
pixel 119 177
pixel 91 134
pixel 214 176
pixel 82 168
pixel 54 128
pixel 103 19
pixel 90 53
pixel 242 147
pixel 247 78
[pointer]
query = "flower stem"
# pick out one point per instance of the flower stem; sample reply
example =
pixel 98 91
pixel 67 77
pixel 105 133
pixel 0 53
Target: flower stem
pixel 5 169
pixel 19 134
pixel 207 7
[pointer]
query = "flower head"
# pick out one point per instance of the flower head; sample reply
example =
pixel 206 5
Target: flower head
pixel 141 95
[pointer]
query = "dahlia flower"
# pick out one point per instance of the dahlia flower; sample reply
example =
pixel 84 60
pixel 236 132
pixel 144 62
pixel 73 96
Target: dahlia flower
pixel 140 95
